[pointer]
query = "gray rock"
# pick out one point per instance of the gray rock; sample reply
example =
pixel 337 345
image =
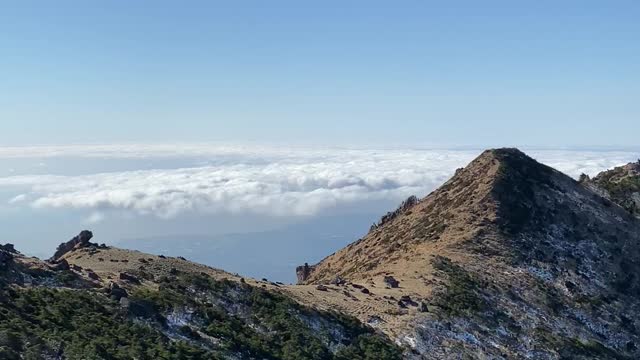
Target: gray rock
pixel 423 307
pixel 8 248
pixel 117 293
pixel 79 241
pixel 92 275
pixel 130 278
pixel 60 265
pixel 303 272
pixel 391 281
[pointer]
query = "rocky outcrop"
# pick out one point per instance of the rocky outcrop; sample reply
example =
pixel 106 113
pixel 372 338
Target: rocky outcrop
pixel 116 292
pixel 60 265
pixel 92 275
pixel 5 258
pixel 303 272
pixel 79 241
pixel 621 185
pixel 9 248
pixel 129 278
pixel 391 282
pixel 405 206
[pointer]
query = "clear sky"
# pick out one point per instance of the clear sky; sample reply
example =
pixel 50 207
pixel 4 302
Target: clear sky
pixel 548 73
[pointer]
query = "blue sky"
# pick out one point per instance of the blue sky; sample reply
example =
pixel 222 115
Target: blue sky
pixel 455 73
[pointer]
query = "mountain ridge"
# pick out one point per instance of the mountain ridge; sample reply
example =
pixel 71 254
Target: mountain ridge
pixel 508 259
pixel 504 237
pixel 620 185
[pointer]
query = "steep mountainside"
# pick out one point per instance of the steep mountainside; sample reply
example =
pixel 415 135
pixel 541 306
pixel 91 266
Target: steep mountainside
pixel 131 305
pixel 508 259
pixel 621 185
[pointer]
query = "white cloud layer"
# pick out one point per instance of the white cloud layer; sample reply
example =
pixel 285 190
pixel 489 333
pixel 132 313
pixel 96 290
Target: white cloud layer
pixel 263 180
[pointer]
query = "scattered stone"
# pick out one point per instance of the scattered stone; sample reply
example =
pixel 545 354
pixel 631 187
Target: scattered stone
pixel 321 287
pixel 162 256
pixel 75 267
pixel 338 281
pixel 423 307
pixel 406 298
pixel 60 265
pixel 364 290
pixel 391 282
pixel 374 320
pixel 92 275
pixel 143 260
pixel 116 292
pixel 100 259
pixel 173 271
pixel 129 278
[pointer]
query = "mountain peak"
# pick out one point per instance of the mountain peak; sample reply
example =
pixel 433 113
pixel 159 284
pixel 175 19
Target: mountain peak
pixel 494 193
pixel 505 237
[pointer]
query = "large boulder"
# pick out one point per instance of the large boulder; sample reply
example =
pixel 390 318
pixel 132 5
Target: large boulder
pixel 79 241
pixel 391 281
pixel 130 278
pixel 92 275
pixel 303 272
pixel 116 292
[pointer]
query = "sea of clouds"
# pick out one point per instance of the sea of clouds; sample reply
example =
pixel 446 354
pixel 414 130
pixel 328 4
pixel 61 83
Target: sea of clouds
pixel 266 180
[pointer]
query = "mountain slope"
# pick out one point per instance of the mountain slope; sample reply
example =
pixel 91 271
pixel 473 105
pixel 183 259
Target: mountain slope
pixel 621 185
pixel 96 302
pixel 511 258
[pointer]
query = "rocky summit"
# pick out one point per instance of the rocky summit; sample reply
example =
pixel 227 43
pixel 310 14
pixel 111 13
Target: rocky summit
pixel 512 259
pixel 621 185
pixel 509 259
